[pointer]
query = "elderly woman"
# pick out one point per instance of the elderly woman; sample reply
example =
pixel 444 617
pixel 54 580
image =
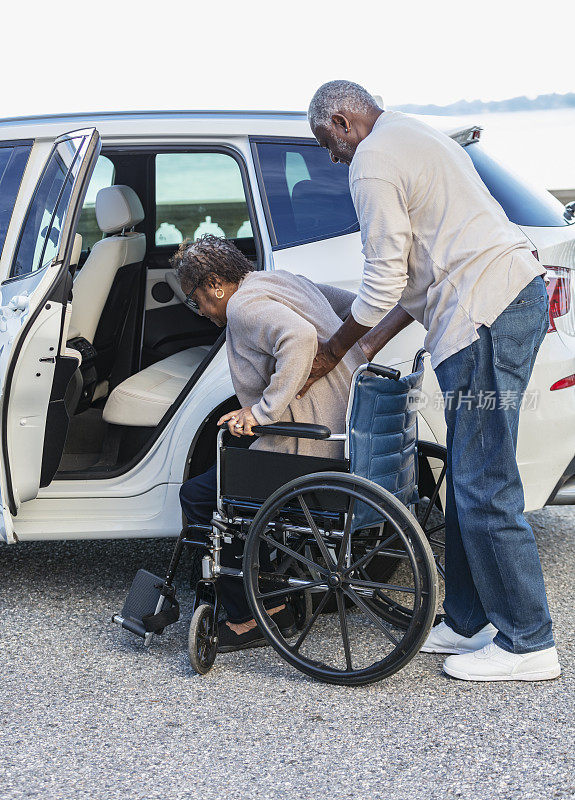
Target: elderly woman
pixel 273 322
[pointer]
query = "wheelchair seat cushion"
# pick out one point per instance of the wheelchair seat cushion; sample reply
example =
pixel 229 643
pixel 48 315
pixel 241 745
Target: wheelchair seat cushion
pixel 383 436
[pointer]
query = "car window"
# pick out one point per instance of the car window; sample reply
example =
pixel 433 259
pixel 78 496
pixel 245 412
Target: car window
pixel 199 193
pixel 40 236
pixel 307 195
pixel 523 203
pixel 13 160
pixel 102 177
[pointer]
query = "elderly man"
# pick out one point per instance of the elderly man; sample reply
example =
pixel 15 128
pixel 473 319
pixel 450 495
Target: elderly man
pixel 439 249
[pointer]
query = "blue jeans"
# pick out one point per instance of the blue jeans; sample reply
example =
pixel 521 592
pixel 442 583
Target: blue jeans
pixel 493 572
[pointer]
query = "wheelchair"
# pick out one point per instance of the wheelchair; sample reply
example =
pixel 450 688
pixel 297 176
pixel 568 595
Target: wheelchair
pixel 349 557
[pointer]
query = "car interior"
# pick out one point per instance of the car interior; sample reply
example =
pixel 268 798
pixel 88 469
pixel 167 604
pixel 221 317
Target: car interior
pixel 140 345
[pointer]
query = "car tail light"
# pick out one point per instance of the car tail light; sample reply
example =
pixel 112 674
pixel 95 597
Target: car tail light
pixel 559 291
pixel 564 383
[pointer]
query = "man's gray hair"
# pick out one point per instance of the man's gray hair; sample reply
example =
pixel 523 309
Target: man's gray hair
pixel 337 97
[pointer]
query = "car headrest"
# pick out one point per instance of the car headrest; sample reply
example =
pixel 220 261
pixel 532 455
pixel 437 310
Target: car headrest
pixel 118 207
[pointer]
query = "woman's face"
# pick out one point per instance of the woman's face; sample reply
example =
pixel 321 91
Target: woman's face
pixel 212 301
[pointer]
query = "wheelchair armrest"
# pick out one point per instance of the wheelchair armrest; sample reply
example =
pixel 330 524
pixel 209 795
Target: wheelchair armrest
pixel 299 430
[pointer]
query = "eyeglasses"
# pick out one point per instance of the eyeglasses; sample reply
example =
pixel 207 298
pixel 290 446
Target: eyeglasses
pixel 192 303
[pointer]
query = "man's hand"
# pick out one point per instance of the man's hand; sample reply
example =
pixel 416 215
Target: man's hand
pixel 323 363
pixel 240 422
pixel 330 352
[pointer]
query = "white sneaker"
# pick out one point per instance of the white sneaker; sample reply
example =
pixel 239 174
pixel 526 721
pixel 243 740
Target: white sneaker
pixel 492 663
pixel 442 639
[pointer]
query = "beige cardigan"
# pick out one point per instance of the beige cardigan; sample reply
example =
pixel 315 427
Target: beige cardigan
pixel 274 321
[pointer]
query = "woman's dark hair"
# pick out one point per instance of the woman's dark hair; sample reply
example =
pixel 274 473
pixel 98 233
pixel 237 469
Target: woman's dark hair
pixel 210 256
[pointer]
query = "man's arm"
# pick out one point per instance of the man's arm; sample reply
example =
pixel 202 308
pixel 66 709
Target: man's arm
pixel 373 340
pixel 386 237
pixel 376 339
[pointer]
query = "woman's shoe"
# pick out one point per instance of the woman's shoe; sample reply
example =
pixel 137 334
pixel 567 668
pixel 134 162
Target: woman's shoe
pixel 285 621
pixel 229 640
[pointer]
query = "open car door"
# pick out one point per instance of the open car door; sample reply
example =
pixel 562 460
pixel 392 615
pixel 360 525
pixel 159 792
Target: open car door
pixel 36 368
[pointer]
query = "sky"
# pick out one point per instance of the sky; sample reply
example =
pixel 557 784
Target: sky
pixel 116 55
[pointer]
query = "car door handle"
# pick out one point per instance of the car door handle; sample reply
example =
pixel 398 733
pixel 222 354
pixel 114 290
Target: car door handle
pixel 19 303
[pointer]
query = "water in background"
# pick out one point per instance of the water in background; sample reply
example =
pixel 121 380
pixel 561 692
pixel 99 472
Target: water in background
pixel 536 144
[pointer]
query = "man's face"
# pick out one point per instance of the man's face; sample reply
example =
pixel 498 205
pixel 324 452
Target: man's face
pixel 340 145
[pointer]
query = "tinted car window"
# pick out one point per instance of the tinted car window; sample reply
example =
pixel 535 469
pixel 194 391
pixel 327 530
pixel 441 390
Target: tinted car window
pixel 524 204
pixel 13 159
pixel 307 195
pixel 40 237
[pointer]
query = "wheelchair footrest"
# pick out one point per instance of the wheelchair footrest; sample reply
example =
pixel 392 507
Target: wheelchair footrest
pixel 150 606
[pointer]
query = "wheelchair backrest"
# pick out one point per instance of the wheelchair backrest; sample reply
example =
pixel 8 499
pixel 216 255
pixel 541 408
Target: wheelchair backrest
pixel 382 432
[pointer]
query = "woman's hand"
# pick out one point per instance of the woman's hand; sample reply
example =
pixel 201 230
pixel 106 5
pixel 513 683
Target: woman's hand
pixel 240 422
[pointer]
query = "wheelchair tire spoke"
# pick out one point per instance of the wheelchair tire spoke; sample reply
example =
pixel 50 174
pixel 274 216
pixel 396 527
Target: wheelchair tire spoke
pixel 346 535
pixel 390 587
pixel 287 562
pixel 289 590
pixel 297 556
pixel 393 554
pixel 371 614
pixel 316 532
pixel 312 619
pixel 437 542
pixel 380 595
pixel 368 556
pixel 440 568
pixel 344 631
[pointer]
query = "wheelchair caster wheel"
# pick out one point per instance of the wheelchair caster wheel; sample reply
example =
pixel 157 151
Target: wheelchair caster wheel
pixel 203 639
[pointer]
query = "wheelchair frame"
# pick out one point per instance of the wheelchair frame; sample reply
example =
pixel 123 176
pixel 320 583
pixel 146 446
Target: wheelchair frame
pixel 154 606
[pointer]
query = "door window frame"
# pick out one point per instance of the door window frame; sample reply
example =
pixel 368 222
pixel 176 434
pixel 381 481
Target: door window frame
pixel 149 223
pixel 12 143
pixel 59 255
pixel 291 140
pixel 151 249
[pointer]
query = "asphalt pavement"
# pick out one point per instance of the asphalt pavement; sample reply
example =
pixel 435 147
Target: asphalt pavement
pixel 87 713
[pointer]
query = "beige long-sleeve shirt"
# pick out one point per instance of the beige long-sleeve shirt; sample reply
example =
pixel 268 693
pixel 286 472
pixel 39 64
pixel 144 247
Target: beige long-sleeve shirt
pixel 433 237
pixel 274 321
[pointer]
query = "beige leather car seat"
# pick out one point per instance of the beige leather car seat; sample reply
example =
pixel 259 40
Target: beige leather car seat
pixel 118 210
pixel 143 398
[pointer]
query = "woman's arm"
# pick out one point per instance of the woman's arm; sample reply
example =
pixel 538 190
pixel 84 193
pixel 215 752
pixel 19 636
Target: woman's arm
pixel 339 299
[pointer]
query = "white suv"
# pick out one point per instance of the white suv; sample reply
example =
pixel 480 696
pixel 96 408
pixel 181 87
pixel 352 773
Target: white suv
pixel 111 387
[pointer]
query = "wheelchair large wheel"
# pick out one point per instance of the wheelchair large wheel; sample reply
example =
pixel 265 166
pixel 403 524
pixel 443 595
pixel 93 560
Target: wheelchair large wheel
pixel 314 521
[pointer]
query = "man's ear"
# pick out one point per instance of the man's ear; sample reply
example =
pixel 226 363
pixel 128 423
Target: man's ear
pixel 340 121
